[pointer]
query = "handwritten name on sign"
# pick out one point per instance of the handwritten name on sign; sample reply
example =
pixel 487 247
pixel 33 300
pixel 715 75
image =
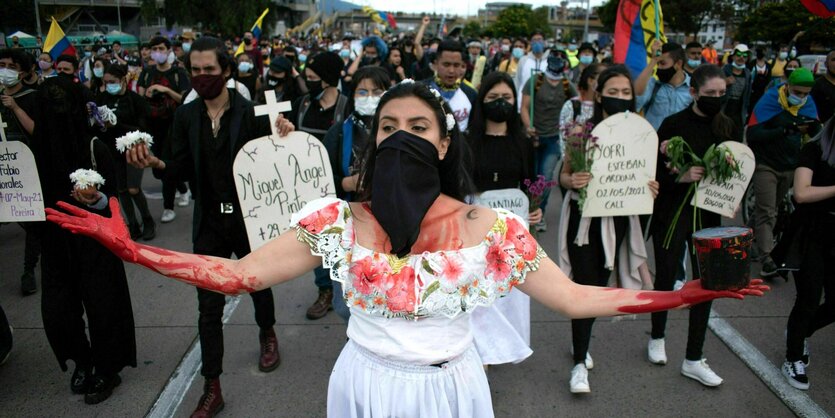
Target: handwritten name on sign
pixel 622 167
pixel 513 200
pixel 21 199
pixel 725 198
pixel 275 177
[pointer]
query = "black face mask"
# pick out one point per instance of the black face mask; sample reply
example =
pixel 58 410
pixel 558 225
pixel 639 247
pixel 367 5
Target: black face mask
pixel 613 105
pixel 498 110
pixel 369 61
pixel 710 106
pixel 406 183
pixel 666 74
pixel 314 88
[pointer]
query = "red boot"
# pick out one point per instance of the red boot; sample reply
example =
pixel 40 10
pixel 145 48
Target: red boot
pixel 270 359
pixel 211 402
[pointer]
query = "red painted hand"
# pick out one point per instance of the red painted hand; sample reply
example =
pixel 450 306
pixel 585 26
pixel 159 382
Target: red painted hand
pixel 110 232
pixel 693 294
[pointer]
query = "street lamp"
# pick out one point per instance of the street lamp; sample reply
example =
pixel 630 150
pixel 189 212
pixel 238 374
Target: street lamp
pixel 588 12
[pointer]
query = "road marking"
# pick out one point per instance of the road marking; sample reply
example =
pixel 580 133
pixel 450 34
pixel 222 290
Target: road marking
pixel 798 401
pixel 180 381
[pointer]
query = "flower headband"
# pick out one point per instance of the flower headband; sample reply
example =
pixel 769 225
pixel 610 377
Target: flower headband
pixel 450 118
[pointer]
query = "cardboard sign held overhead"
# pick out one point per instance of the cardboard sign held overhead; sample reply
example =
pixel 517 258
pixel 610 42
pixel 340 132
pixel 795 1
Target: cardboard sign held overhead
pixel 21 198
pixel 623 167
pixel 275 177
pixel 725 198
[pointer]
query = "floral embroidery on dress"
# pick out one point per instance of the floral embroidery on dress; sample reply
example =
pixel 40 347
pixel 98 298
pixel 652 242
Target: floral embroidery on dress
pixel 430 284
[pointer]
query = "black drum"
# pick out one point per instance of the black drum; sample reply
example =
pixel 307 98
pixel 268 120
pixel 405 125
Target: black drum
pixel 724 256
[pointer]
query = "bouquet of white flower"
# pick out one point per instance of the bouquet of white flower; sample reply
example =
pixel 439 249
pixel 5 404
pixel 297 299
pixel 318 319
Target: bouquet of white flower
pixel 84 179
pixel 128 140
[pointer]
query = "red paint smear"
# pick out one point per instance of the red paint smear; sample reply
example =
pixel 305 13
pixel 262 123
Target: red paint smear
pixel 658 301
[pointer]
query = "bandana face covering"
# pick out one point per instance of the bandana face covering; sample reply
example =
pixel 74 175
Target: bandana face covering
pixel 406 183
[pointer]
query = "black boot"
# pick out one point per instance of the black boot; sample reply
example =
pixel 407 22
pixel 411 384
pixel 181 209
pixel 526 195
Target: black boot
pixel 28 284
pixel 149 227
pixel 101 387
pixel 80 379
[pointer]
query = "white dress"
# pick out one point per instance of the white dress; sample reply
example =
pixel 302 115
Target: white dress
pixel 411 351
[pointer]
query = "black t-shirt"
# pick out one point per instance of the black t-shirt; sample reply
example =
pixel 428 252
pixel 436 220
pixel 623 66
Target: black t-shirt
pixel 316 120
pixel 823 174
pixel 499 164
pixel 216 161
pixel 25 98
pixel 824 94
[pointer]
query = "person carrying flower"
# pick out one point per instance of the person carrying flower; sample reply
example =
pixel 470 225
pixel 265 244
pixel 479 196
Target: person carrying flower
pixel 590 248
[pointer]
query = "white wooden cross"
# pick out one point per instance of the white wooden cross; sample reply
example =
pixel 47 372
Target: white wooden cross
pixel 272 109
pixel 3 127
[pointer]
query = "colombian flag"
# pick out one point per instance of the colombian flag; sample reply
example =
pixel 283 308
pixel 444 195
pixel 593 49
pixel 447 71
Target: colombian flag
pixel 56 43
pixel 389 18
pixel 822 8
pixel 769 106
pixel 256 31
pixel 638 24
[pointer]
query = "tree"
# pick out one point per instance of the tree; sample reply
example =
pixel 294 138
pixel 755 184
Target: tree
pixel 220 16
pixel 520 20
pixel 608 14
pixel 688 16
pixel 19 15
pixel 778 23
pixel 472 29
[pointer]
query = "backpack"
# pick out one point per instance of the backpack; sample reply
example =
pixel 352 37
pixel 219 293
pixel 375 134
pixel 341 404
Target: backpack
pixel 162 105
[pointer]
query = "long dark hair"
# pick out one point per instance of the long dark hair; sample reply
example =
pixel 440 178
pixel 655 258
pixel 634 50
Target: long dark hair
pixel 619 70
pixel 478 123
pixel 722 126
pixel 455 179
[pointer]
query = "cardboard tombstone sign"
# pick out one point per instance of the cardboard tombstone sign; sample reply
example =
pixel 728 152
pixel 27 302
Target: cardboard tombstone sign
pixel 275 177
pixel 622 167
pixel 513 200
pixel 725 198
pixel 21 197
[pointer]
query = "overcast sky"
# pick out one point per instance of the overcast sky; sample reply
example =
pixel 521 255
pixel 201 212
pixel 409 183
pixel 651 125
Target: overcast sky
pixel 459 7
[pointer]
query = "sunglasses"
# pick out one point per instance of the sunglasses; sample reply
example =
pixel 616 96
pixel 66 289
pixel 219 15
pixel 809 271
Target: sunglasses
pixel 742 54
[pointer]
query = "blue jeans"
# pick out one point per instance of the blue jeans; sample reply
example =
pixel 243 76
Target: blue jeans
pixel 323 278
pixel 338 301
pixel 547 155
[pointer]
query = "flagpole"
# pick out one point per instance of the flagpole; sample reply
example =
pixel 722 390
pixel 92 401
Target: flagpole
pixel 657 18
pixel 38 20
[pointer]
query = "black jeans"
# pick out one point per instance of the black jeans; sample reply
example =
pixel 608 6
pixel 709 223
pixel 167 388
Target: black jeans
pixel 32 248
pixel 588 267
pixel 815 277
pixel 667 264
pixel 221 236
pixel 159 130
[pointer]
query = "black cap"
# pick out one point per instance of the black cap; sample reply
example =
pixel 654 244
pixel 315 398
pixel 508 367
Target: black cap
pixel 587 46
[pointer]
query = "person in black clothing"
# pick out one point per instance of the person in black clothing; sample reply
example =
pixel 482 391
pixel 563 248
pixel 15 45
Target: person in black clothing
pixel 245 73
pixel 823 91
pixel 206 135
pixel 761 78
pixel 164 86
pixel 131 115
pixel 315 112
pixel 283 78
pixel 80 276
pixel 701 124
pixel 346 143
pixel 814 238
pixel 18 107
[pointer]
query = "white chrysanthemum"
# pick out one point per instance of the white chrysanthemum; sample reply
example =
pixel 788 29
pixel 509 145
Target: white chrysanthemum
pixel 127 141
pixel 450 121
pixel 107 115
pixel 83 178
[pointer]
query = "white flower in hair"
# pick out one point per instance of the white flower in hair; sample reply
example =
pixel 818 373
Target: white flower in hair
pixel 450 121
pixel 436 93
pixel 407 81
pixel 83 178
pixel 128 140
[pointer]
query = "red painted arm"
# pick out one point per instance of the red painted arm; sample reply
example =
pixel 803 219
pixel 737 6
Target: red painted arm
pixel 212 273
pixel 689 295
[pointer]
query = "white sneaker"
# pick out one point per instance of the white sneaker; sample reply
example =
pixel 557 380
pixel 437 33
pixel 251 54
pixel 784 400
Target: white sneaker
pixel 589 361
pixel 184 199
pixel 656 352
pixel 580 379
pixel 678 285
pixel 699 370
pixel 168 215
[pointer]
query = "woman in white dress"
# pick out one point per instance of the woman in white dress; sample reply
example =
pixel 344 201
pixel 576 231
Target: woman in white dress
pixel 414 260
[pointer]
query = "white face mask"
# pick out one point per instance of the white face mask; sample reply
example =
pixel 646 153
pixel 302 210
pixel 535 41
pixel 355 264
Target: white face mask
pixel 366 106
pixel 9 77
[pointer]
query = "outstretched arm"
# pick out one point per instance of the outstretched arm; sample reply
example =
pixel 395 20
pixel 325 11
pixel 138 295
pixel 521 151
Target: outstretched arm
pixel 551 287
pixel 278 261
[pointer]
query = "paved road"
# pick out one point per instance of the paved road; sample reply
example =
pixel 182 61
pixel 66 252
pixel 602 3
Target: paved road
pixel 623 382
